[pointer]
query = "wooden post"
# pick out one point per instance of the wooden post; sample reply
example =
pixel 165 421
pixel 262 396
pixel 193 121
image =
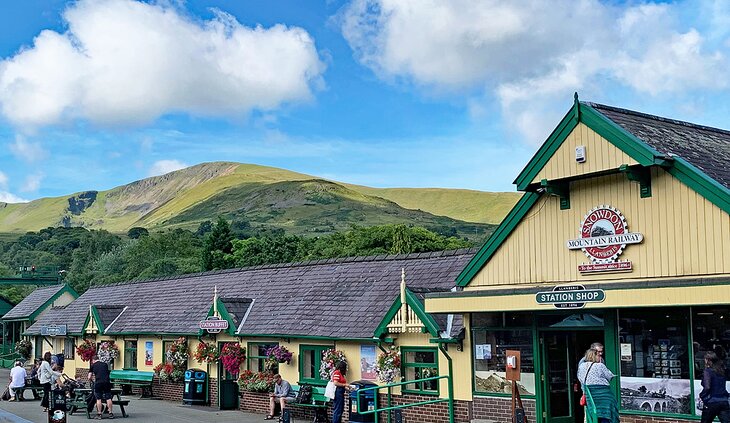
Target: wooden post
pixel 512 373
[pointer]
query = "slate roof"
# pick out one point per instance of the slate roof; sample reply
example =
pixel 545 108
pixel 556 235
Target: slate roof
pixel 237 308
pixel 107 313
pixel 334 298
pixel 33 302
pixel 706 148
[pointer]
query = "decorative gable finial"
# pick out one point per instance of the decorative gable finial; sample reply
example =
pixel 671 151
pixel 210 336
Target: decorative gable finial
pixel 576 106
pixel 215 301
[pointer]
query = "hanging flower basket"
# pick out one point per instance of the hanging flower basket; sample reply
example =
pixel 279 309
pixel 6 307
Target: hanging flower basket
pixel 330 359
pixel 387 368
pixel 177 353
pixel 86 350
pixel 169 373
pixel 206 352
pixel 233 355
pixel 256 382
pixel 108 352
pixel 279 355
pixel 23 348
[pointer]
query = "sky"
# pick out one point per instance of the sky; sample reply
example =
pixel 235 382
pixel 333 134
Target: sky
pixel 386 93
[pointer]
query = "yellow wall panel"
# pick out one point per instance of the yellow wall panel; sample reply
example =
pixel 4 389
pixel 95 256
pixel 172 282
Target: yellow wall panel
pixel 684 235
pixel 600 155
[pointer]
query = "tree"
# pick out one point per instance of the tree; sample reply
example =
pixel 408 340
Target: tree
pixel 204 228
pixel 218 246
pixel 137 232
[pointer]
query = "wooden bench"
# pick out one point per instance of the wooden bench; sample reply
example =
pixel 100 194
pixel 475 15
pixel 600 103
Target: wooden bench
pixel 319 403
pixel 80 402
pixel 35 388
pixel 133 378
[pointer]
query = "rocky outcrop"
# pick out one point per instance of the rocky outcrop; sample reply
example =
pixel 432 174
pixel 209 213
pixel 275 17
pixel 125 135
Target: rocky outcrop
pixel 78 203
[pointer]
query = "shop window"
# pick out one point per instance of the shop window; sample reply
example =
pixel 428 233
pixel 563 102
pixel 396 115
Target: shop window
pixel 490 359
pixel 501 320
pixel 710 332
pixel 655 361
pixel 257 356
pixel 69 349
pixel 310 358
pixel 165 346
pixel 420 363
pixel 130 355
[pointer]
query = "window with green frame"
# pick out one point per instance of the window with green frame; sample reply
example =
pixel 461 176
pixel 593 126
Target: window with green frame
pixel 420 363
pixel 165 346
pixel 130 355
pixel 257 356
pixel 68 347
pixel 310 358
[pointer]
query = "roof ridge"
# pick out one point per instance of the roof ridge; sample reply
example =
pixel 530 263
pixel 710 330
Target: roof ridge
pixel 659 118
pixel 317 262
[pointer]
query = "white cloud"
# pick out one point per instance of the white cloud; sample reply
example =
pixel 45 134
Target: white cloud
pixel 3 180
pixel 528 55
pixel 32 182
pixel 123 61
pixel 27 150
pixel 6 197
pixel 161 167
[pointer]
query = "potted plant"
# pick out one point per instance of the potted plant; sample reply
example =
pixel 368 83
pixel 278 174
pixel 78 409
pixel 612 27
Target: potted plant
pixel 206 352
pixel 108 352
pixel 256 382
pixel 330 358
pixel 23 348
pixel 176 361
pixel 86 350
pixel 387 367
pixel 232 356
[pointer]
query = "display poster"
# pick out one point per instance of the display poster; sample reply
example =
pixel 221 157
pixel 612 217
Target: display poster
pixel 148 353
pixel 625 352
pixel 656 395
pixel 483 351
pixel 367 362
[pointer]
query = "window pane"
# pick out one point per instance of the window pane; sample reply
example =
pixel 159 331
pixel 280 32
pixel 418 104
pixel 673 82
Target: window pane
pixel 483 320
pixel 710 333
pixel 655 360
pixel 130 354
pixel 308 364
pixel 420 365
pixel 490 360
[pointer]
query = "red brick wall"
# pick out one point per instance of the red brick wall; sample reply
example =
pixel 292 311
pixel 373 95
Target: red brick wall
pixel 82 375
pixel 171 391
pixel 499 409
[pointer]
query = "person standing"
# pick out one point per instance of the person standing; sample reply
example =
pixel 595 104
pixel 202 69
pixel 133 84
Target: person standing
pixel 45 374
pixel 714 394
pixel 17 379
pixel 338 378
pixel 282 394
pixel 596 380
pixel 99 373
pixel 599 349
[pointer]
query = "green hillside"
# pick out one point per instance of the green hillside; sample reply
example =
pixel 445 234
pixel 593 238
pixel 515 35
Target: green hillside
pixel 264 196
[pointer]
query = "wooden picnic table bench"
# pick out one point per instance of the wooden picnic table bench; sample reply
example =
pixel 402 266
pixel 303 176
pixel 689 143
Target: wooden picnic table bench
pixel 133 378
pixel 319 403
pixel 80 401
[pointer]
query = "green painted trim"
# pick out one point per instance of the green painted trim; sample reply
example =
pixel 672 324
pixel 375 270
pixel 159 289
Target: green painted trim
pixel 307 337
pixel 93 313
pixel 39 310
pixel 500 395
pixel 428 321
pixel 382 328
pixel 405 365
pixel 498 237
pixel 250 348
pixel 702 184
pixel 317 362
pixel 549 147
pixel 669 415
pixel 691 351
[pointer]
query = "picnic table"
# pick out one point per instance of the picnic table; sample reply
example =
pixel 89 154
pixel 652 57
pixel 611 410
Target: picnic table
pixel 82 396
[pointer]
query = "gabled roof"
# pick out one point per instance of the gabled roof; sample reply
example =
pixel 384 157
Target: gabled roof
pixel 333 299
pixel 37 301
pixel 698 156
pixel 5 306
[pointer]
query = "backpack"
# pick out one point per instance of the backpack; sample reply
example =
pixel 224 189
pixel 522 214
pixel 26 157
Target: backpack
pixel 304 396
pixel 6 394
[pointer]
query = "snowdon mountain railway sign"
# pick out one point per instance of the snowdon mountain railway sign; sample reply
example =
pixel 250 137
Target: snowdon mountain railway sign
pixel 604 234
pixel 570 296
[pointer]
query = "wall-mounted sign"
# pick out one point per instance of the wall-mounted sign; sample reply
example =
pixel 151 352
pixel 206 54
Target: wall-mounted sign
pixel 53 330
pixel 604 234
pixel 570 296
pixel 214 324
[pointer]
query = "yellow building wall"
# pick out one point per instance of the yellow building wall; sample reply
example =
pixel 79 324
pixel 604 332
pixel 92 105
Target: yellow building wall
pixel 684 235
pixel 600 155
pixel 63 300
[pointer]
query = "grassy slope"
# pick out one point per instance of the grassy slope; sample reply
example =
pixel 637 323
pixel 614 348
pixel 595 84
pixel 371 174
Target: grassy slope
pixel 170 199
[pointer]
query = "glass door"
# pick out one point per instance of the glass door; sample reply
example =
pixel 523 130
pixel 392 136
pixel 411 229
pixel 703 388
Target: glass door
pixel 227 386
pixel 557 378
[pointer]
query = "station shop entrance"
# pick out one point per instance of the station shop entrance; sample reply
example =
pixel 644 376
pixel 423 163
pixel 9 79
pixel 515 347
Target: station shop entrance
pixel 561 348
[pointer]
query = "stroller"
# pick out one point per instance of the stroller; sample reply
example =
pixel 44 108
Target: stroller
pixel 69 385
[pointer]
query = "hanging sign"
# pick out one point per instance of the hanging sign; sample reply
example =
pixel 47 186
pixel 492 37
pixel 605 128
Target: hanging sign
pixel 214 324
pixel 53 330
pixel 570 296
pixel 604 234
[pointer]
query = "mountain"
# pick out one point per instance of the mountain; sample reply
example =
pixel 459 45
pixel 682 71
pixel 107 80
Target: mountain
pixel 263 196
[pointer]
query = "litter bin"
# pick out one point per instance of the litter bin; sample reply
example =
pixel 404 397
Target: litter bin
pixel 195 390
pixel 362 401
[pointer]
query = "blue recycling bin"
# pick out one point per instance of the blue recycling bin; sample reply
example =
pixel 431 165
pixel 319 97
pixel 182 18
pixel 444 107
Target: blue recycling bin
pixel 362 401
pixel 195 385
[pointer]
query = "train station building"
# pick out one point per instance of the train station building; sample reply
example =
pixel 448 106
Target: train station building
pixel 622 237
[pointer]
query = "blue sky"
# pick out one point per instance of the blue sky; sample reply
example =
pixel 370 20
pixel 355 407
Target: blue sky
pixel 417 93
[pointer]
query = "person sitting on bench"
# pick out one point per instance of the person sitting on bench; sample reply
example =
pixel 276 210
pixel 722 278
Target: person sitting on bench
pixel 282 394
pixel 17 379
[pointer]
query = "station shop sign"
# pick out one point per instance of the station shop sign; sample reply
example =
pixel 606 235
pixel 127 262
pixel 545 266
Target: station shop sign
pixel 53 330
pixel 604 234
pixel 570 296
pixel 213 324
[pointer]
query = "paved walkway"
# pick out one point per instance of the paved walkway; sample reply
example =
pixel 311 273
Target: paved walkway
pixel 139 410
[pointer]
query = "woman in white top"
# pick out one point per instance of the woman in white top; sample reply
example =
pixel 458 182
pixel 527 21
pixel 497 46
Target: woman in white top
pixel 596 380
pixel 45 375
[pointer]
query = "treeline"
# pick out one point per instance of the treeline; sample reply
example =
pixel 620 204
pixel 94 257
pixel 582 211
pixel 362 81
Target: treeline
pixel 93 257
